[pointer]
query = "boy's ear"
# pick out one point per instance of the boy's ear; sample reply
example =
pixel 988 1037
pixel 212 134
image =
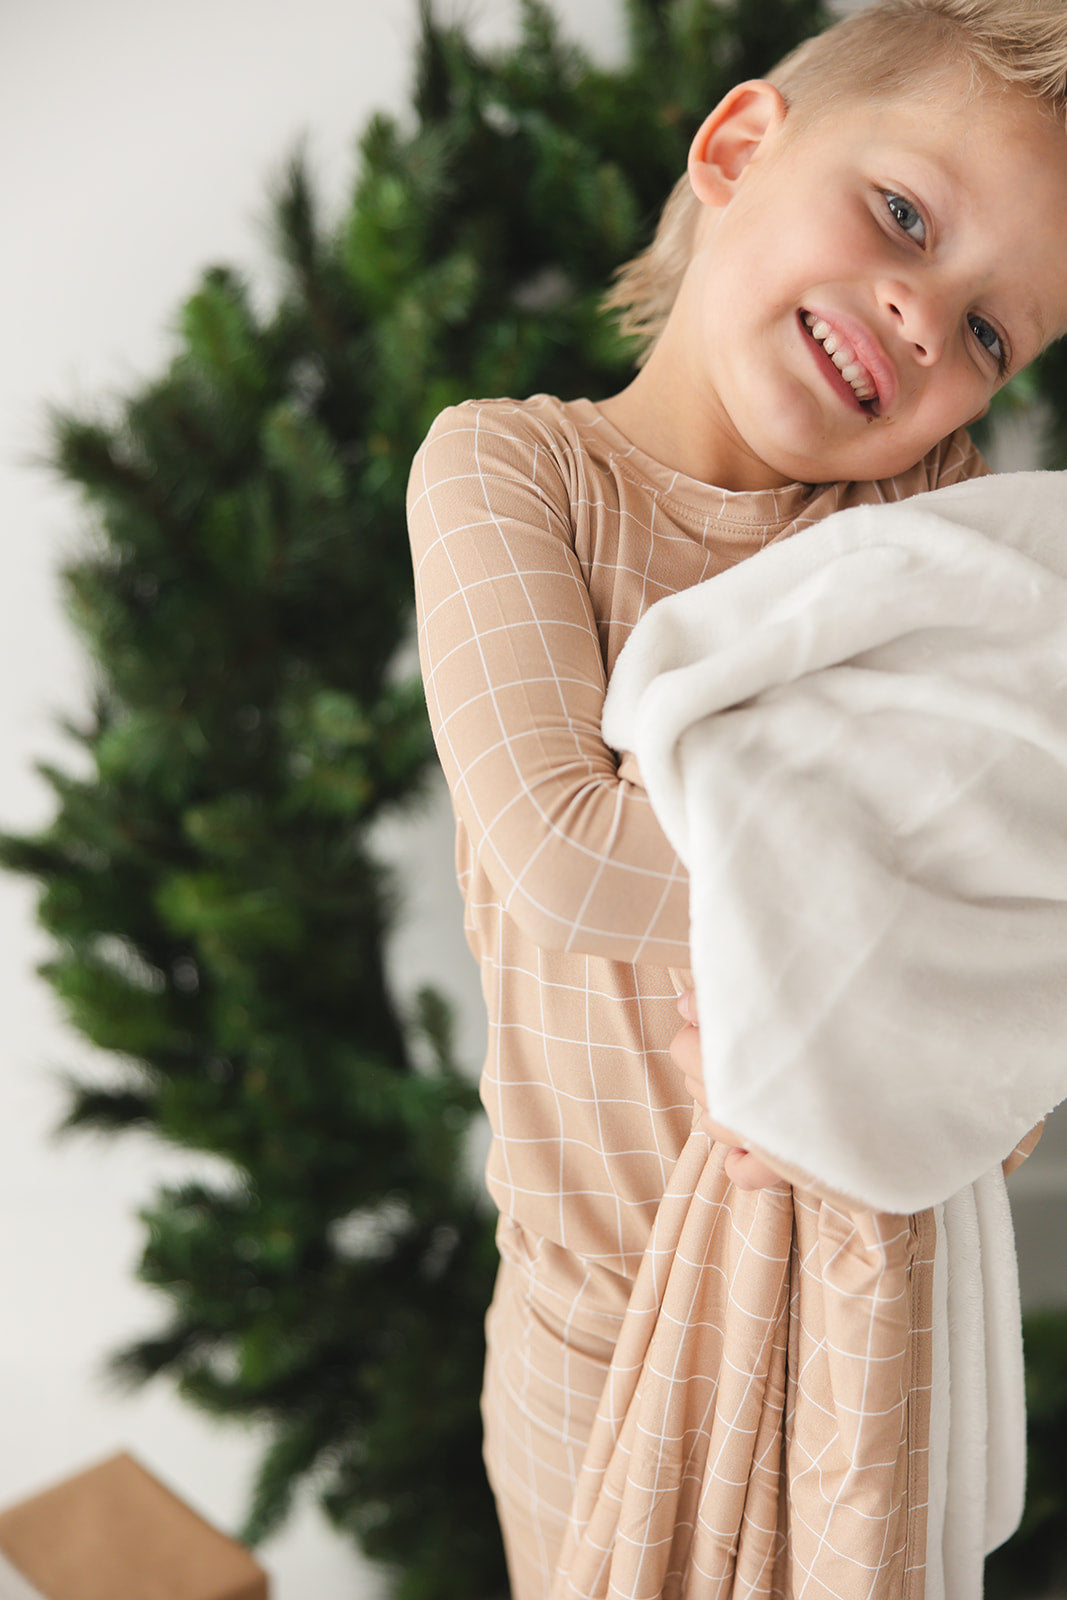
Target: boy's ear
pixel 729 138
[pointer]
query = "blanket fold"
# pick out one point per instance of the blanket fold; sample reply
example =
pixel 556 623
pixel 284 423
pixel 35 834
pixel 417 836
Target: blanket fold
pixel 857 741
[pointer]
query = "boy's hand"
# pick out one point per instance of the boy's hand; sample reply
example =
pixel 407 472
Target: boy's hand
pixel 742 1168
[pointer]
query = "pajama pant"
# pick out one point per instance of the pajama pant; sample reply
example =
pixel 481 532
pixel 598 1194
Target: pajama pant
pixel 545 1369
pixel 747 1417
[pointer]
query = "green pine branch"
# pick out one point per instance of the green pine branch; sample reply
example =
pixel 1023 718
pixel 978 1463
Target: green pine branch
pixel 212 888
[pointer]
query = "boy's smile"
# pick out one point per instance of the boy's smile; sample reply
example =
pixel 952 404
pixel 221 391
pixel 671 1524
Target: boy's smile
pixel 853 363
pixel 860 286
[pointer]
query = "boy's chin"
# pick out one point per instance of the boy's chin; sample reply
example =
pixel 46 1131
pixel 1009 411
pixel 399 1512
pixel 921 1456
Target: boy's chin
pixel 864 460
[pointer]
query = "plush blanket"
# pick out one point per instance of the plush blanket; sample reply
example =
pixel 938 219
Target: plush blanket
pixel 857 741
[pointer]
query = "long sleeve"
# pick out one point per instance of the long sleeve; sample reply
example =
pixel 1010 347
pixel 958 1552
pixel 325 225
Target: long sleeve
pixel 515 682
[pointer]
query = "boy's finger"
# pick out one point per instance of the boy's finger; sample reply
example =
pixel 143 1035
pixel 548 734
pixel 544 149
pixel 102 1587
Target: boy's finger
pixel 746 1171
pixel 687 1005
pixel 696 1089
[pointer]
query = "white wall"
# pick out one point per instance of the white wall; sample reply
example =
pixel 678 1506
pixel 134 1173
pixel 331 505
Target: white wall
pixel 138 139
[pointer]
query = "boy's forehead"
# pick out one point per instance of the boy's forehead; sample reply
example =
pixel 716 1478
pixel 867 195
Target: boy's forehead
pixel 932 94
pixel 948 123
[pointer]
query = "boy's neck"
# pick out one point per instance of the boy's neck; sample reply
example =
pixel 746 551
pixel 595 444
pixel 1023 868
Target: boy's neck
pixel 662 414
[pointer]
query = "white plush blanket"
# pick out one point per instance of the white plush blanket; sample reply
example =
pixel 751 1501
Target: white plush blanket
pixel 857 741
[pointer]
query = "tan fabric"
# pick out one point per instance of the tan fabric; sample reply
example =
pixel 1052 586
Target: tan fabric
pixel 754 1432
pixel 774 1354
pixel 540 536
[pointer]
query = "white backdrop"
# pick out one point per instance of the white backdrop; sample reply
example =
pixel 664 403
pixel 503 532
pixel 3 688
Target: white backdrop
pixel 139 137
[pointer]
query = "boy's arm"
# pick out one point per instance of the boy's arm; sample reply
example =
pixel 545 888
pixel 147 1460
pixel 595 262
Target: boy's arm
pixel 515 684
pixel 743 1166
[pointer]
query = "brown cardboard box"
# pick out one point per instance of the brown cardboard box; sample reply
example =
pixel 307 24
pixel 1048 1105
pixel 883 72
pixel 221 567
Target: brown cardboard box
pixel 115 1533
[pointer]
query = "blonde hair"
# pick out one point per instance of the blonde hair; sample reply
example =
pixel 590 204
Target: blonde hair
pixel 885 49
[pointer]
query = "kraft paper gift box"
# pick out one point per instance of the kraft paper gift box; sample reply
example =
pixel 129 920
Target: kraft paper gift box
pixel 114 1532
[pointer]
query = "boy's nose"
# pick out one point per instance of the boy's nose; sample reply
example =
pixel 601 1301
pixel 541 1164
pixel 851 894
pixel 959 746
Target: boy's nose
pixel 918 317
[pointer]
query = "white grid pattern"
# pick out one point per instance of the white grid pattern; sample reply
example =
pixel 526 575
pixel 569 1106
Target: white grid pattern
pixel 539 538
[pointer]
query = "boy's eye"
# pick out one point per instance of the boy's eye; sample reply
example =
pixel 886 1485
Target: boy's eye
pixel 907 217
pixel 989 338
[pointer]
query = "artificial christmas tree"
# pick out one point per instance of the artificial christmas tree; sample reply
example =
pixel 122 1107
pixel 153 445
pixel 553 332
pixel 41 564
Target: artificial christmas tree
pixel 212 888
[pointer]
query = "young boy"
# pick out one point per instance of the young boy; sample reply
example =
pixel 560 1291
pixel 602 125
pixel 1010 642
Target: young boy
pixel 866 246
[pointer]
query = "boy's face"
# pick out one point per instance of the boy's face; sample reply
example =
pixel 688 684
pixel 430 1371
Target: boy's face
pixel 924 239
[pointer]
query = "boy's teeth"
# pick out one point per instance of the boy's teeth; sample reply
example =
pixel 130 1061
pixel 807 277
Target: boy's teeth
pixel 842 355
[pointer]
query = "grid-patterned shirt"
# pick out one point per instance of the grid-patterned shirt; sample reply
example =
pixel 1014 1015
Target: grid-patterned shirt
pixel 691 1385
pixel 540 535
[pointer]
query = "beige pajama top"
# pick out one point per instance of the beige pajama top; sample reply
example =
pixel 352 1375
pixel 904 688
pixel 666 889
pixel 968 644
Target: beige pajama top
pixel 540 535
